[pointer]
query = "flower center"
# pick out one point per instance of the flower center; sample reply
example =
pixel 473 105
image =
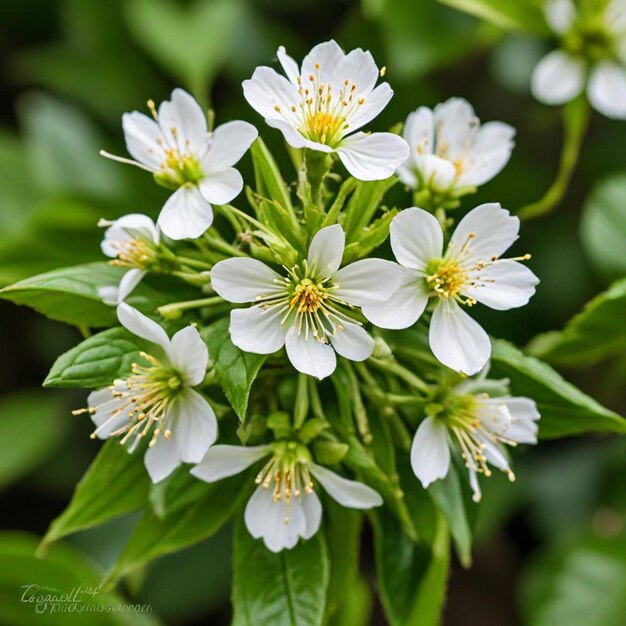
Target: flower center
pixel 145 397
pixel 323 111
pixel 178 168
pixel 308 296
pixel 591 39
pixel 134 253
pixel 446 277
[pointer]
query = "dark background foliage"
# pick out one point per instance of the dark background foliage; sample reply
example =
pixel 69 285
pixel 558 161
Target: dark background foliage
pixel 70 68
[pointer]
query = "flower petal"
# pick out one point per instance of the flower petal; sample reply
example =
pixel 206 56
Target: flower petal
pixel 183 123
pixel 162 459
pixel 257 330
pixel 229 142
pixel 489 153
pixel 607 89
pixel 560 14
pixel 123 230
pixel 293 136
pixel 221 187
pixel 107 416
pixel 438 174
pixel 372 105
pixel 309 355
pixel 186 214
pixel 430 452
pixel 267 90
pixel 352 342
pixel 485 232
pixel 244 280
pixel 223 461
pixel 189 355
pixel 416 238
pixel 455 123
pixel 524 415
pixel 129 281
pixel 290 67
pixel 502 285
pixel 419 131
pixel 558 78
pixel 457 340
pixel 196 425
pixel 326 251
pixel 368 280
pixel 348 493
pixel 312 510
pixel 323 61
pixel 373 156
pixel 403 308
pixel 358 68
pixel 141 326
pixel 142 135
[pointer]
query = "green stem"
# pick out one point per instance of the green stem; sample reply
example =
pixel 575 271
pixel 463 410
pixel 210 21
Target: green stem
pixel 317 165
pixel 224 247
pixel 175 309
pixel 194 263
pixel 400 372
pixel 316 402
pixel 575 119
pixel 301 408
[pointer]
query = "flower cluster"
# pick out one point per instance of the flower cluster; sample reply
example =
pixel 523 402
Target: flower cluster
pixel 300 276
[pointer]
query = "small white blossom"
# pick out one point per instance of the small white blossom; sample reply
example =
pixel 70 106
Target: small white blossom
pixel 158 399
pixel 468 271
pixel 477 427
pixel 592 53
pixel 321 104
pixel 131 242
pixel 183 156
pixel 307 310
pixel 284 506
pixel 450 151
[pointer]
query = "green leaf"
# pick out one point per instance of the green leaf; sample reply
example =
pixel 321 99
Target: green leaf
pixel 448 496
pixel 363 204
pixel 69 294
pixel 603 227
pixel 115 483
pixel 287 588
pixel 97 361
pixel 182 526
pixel 598 332
pixel 236 370
pixel 31 428
pixel 564 409
pixel 412 576
pixel 206 28
pixel 63 570
pixel 512 15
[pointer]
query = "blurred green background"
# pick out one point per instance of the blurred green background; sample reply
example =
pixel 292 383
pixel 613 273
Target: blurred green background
pixel 551 546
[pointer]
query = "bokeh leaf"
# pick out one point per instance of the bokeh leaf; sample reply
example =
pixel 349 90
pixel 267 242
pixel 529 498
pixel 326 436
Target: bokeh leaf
pixel 598 332
pixel 564 409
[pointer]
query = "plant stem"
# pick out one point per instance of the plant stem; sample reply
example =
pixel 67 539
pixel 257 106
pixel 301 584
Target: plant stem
pixel 301 408
pixel 175 308
pixel 575 119
pixel 194 263
pixel 400 372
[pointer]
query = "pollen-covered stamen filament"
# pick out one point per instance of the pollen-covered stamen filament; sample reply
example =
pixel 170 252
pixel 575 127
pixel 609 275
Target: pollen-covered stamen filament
pixel 322 115
pixel 144 397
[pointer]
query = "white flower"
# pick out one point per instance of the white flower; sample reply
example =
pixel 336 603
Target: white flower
pixel 284 506
pixel 157 399
pixel 132 242
pixel 469 270
pixel 450 151
pixel 306 310
pixel 183 156
pixel 476 427
pixel 593 52
pixel 321 104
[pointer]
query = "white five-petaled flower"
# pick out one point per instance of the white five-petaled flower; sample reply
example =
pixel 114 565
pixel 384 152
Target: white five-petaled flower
pixel 183 156
pixel 306 310
pixel 469 270
pixel 477 427
pixel 284 506
pixel 131 242
pixel 450 151
pixel 321 104
pixel 592 52
pixel 158 399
